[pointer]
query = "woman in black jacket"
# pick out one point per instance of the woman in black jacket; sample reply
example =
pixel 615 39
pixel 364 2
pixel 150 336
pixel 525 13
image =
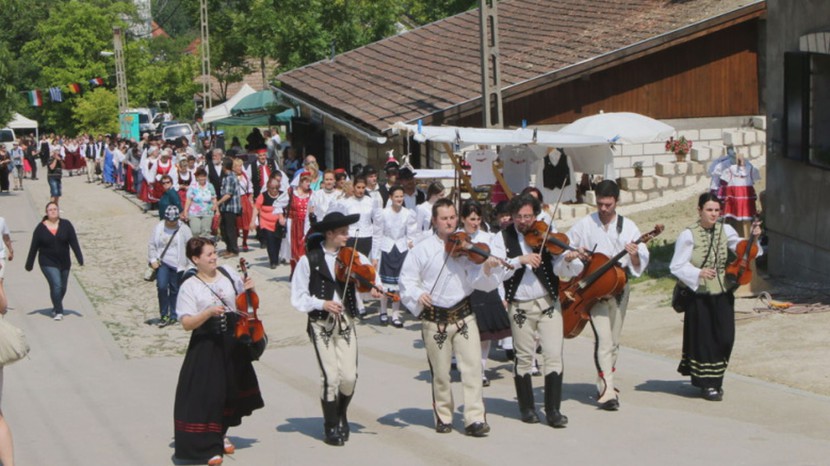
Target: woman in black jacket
pixel 52 238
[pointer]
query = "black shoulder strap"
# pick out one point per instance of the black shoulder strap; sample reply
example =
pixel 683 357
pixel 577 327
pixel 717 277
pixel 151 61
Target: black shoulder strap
pixel 619 224
pixel 191 272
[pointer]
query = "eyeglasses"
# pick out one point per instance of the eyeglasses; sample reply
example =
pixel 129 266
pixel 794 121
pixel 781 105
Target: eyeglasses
pixel 525 217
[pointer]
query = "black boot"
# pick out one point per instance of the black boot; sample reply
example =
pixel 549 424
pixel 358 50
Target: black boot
pixel 331 423
pixel 342 407
pixel 553 400
pixel 524 393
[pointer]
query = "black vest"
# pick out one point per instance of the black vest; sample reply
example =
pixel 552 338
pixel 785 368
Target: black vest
pixel 322 285
pixel 556 176
pixel 544 273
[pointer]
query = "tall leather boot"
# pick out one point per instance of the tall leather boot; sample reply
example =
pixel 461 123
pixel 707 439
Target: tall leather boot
pixel 524 393
pixel 553 400
pixel 331 423
pixel 342 408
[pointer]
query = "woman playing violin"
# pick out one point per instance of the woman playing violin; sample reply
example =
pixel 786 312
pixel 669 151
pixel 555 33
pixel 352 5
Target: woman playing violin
pixel 491 315
pixel 699 263
pixel 217 383
pixel 330 304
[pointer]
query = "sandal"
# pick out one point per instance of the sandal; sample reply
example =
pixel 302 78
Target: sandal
pixel 229 447
pixel 215 461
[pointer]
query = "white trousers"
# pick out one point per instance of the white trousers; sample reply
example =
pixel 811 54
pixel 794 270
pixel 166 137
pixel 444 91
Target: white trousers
pixel 607 318
pixel 541 316
pixel 335 345
pixel 441 341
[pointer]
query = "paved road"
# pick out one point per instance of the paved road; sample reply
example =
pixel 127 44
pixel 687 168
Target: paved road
pixel 79 401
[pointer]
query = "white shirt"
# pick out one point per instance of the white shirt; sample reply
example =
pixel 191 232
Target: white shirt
pixel 375 195
pixel 530 287
pixel 411 201
pixel 322 200
pixel 424 267
pixel 481 164
pixel 195 295
pixel 518 165
pixel 397 229
pixel 4 231
pixel 590 232
pixel 301 298
pixel 368 225
pixel 175 255
pixel 682 268
pixel 716 169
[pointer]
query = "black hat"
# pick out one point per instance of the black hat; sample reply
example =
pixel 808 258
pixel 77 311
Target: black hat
pixel 334 220
pixel 406 173
pixel 369 170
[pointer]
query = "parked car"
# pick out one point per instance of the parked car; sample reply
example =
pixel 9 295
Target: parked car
pixel 176 131
pixel 7 138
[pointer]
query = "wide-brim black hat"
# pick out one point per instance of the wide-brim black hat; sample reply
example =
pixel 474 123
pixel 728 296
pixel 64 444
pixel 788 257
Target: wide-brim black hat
pixel 335 220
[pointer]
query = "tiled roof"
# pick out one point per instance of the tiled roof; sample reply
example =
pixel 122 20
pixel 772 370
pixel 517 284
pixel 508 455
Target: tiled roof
pixel 437 66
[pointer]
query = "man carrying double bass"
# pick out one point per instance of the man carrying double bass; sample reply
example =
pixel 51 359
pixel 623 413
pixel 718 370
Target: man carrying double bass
pixel 531 290
pixel 608 233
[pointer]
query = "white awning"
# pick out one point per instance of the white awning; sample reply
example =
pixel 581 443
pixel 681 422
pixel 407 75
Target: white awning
pixel 223 110
pixel 501 137
pixel 21 122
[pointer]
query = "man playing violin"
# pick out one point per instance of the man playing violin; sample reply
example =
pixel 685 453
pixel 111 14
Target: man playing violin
pixel 435 286
pixel 531 291
pixel 330 304
pixel 608 233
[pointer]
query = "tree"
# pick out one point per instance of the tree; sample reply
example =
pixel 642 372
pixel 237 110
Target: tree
pixel 158 69
pixel 428 11
pixel 7 90
pixel 96 112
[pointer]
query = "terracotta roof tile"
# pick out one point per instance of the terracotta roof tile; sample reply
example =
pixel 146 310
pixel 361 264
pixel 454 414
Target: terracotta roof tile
pixel 436 66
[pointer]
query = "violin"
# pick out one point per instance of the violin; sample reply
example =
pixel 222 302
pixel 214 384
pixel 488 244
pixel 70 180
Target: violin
pixel 348 267
pixel 249 329
pixel 459 244
pixel 740 271
pixel 601 278
pixel 555 243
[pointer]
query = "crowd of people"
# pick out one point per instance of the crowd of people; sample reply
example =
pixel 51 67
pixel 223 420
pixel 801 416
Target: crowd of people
pixel 466 295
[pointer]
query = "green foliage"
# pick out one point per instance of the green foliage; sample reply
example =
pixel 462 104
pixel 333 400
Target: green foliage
pixel 427 11
pixel 96 112
pixel 7 90
pixel 158 69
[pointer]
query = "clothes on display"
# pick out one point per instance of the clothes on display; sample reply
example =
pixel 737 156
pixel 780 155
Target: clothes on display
pixel 738 194
pixel 481 163
pixel 518 166
pixel 555 170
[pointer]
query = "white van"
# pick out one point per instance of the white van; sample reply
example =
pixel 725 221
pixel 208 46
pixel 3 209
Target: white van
pixel 7 138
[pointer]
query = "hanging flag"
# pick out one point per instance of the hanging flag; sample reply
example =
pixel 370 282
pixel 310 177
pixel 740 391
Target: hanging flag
pixel 75 88
pixel 55 94
pixel 96 82
pixel 35 99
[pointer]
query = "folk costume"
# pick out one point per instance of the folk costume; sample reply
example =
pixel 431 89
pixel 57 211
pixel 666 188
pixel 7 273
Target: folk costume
pixel 243 221
pixel 271 210
pixel 608 314
pixel 333 336
pixel 217 384
pixel 397 230
pixel 364 234
pixel 533 307
pixel 709 324
pixel 297 215
pixel 449 326
pixel 738 191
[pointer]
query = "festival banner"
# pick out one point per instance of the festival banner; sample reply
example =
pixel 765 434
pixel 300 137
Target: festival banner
pixel 55 94
pixel 74 88
pixel 35 99
pixel 96 82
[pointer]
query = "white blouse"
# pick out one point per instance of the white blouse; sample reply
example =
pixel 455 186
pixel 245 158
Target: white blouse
pixel 195 295
pixel 370 222
pixel 398 229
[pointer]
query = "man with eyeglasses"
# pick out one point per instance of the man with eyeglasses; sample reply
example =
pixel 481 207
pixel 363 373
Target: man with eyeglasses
pixel 296 180
pixel 531 290
pixel 169 197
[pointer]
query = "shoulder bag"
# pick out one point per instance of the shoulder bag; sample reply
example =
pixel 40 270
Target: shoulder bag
pixel 150 273
pixel 13 345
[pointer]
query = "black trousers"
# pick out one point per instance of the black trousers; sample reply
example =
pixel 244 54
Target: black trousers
pixel 230 233
pixel 31 159
pixel 272 241
pixel 4 178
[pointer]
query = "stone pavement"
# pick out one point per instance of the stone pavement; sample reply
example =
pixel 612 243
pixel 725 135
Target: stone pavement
pixel 78 401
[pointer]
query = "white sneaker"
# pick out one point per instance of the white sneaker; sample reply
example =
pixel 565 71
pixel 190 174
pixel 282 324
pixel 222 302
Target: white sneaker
pixel 58 317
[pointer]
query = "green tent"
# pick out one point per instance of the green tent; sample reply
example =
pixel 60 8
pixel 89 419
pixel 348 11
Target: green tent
pixel 258 109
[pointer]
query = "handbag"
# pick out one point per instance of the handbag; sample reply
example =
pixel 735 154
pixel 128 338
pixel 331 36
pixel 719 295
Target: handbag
pixel 681 297
pixel 150 273
pixel 13 345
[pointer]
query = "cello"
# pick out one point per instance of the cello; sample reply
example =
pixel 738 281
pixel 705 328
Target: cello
pixel 249 329
pixel 601 278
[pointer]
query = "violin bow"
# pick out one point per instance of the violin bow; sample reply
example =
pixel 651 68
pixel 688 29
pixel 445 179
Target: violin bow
pixel 449 254
pixel 555 208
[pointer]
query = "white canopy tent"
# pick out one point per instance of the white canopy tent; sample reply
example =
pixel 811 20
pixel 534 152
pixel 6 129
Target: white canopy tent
pixel 223 110
pixel 21 122
pixel 589 154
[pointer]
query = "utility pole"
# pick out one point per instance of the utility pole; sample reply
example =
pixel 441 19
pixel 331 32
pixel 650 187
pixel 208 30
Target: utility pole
pixel 490 68
pixel 120 74
pixel 207 100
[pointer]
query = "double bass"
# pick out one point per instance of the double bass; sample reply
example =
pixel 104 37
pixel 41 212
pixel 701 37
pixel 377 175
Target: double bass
pixel 249 330
pixel 601 278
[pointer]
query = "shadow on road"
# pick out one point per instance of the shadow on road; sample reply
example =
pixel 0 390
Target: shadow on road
pixel 408 417
pixel 48 312
pixel 672 387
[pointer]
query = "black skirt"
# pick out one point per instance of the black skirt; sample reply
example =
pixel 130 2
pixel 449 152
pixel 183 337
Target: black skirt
pixel 708 337
pixel 364 245
pixel 491 316
pixel 390 265
pixel 217 387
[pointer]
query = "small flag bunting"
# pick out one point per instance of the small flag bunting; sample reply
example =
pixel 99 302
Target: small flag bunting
pixel 55 94
pixel 96 82
pixel 75 88
pixel 35 99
